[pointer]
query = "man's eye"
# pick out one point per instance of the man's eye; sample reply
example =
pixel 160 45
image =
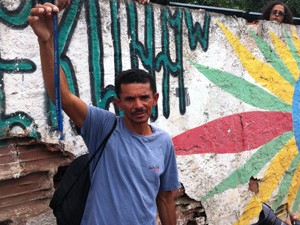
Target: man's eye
pixel 145 97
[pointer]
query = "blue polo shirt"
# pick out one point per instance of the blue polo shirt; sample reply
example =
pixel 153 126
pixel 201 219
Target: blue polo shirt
pixel 130 173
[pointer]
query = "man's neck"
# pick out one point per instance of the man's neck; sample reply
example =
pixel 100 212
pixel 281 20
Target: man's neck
pixel 143 129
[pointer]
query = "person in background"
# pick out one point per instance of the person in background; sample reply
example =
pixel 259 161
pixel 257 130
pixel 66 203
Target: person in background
pixel 277 11
pixel 137 174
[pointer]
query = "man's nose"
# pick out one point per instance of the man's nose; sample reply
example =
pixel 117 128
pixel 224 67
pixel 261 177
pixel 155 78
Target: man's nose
pixel 138 103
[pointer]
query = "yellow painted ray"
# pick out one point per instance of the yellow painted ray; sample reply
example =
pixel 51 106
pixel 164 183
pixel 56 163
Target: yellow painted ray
pixel 286 55
pixel 296 40
pixel 263 73
pixel 269 183
pixel 294 187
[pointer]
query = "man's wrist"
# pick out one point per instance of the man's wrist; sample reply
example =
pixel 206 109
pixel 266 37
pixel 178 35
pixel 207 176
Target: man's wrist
pixel 46 42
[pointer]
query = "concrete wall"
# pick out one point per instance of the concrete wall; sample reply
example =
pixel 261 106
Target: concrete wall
pixel 229 93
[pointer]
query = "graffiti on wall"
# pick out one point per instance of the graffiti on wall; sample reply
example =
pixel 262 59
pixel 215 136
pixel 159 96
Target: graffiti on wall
pixel 139 50
pixel 16 20
pixel 274 131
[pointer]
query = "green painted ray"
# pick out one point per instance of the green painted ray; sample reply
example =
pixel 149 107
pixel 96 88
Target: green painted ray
pixel 286 182
pixel 296 202
pixel 274 59
pixel 251 168
pixel 292 48
pixel 243 90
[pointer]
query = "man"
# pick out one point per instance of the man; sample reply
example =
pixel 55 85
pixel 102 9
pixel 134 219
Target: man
pixel 137 172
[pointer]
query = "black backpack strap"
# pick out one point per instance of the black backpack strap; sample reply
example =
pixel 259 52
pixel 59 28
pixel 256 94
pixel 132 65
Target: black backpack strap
pixel 101 147
pixel 86 163
pixel 79 167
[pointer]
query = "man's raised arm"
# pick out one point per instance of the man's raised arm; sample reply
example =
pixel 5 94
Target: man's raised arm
pixel 40 20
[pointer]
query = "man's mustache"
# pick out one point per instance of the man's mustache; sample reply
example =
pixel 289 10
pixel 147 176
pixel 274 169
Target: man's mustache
pixel 139 111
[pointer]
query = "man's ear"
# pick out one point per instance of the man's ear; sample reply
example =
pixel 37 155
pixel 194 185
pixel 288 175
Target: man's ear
pixel 117 101
pixel 155 97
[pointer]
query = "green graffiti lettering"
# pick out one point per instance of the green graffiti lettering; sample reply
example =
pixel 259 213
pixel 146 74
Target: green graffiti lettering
pixel 16 18
pixel 115 30
pixel 17 119
pixel 141 51
pixel 163 59
pixel 195 32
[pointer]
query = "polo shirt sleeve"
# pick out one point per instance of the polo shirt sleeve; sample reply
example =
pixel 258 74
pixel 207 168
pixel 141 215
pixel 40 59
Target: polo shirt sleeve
pixel 96 125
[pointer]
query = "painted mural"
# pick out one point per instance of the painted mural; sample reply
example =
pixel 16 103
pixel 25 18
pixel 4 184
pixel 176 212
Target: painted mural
pixel 229 93
pixel 273 131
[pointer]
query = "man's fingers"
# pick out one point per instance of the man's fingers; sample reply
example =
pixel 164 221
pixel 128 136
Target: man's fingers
pixel 32 19
pixel 43 9
pixel 54 7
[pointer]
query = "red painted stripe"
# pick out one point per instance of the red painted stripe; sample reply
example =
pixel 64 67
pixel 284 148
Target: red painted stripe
pixel 234 133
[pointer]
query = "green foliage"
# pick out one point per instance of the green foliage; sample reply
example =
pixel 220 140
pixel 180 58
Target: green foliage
pixel 247 5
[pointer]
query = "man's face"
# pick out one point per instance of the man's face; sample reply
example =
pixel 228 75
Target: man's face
pixel 136 100
pixel 277 13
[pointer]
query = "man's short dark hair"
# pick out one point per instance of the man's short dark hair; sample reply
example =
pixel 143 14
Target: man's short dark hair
pixel 134 76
